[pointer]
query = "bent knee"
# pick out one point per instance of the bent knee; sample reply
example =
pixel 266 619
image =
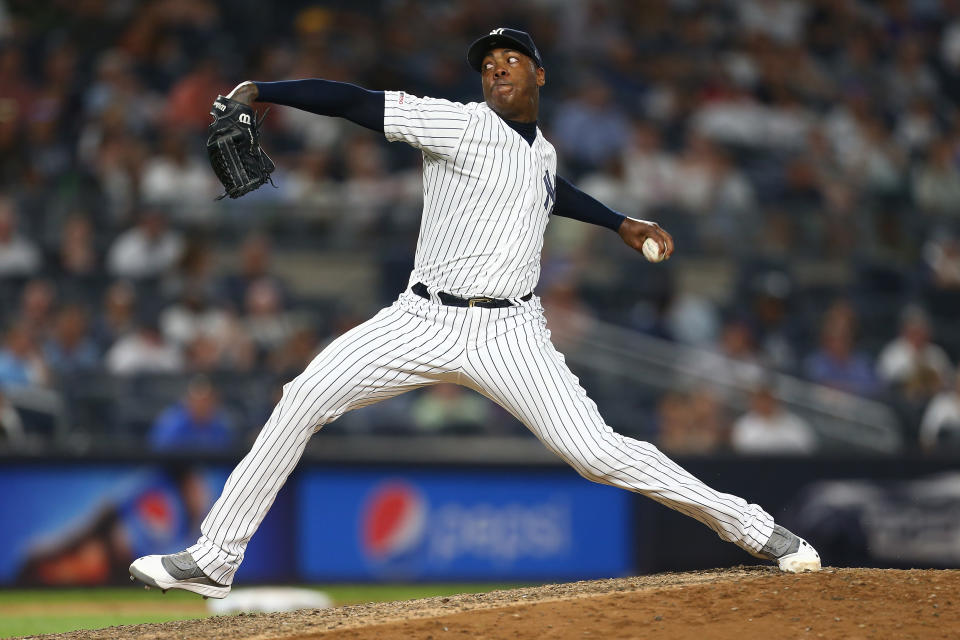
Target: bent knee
pixel 595 468
pixel 614 464
pixel 304 404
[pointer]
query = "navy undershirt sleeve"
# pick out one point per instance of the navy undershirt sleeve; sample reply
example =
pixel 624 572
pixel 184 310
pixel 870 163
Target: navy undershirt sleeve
pixel 575 204
pixel 365 107
pixel 327 98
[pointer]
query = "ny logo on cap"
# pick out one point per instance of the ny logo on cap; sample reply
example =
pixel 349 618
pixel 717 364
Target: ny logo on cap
pixel 497 32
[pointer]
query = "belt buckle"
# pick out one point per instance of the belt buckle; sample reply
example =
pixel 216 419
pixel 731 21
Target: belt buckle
pixel 472 302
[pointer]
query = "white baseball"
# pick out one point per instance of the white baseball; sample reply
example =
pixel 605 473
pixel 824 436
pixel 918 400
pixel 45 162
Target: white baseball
pixel 651 250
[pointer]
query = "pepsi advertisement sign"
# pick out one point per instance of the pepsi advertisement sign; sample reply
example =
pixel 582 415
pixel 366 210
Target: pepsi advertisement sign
pixel 446 525
pixel 82 524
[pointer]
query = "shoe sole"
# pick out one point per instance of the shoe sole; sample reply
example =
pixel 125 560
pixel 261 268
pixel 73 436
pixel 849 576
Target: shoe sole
pixel 799 564
pixel 204 590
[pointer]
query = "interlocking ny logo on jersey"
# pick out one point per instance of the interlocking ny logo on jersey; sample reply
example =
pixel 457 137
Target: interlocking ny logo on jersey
pixel 551 191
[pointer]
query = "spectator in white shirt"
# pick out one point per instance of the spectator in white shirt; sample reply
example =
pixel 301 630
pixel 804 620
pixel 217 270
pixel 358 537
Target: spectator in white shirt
pixel 769 429
pixel 18 256
pixel 210 337
pixel 180 180
pixel 147 250
pixel 911 363
pixel 193 315
pixel 781 20
pixel 942 418
pixel 936 182
pixel 144 351
pixel 11 427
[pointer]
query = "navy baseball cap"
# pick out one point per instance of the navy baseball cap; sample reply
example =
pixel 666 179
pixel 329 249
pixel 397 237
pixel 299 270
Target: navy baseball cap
pixel 503 38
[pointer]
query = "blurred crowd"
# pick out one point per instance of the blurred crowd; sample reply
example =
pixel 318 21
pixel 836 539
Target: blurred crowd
pixel 811 149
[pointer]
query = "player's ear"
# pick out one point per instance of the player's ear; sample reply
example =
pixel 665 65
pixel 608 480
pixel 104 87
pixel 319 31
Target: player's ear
pixel 541 77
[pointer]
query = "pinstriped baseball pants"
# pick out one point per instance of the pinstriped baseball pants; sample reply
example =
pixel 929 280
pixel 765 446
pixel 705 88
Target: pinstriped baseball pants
pixel 506 355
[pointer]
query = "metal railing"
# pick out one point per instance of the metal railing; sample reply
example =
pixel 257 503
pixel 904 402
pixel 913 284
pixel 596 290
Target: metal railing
pixel 843 421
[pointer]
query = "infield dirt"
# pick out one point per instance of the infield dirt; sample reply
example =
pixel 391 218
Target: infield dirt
pixel 736 604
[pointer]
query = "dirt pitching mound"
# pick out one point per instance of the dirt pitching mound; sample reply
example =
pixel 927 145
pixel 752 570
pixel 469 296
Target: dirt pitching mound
pixel 740 603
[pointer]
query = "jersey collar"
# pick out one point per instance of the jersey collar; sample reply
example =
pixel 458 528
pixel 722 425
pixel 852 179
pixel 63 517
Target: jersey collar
pixel 527 130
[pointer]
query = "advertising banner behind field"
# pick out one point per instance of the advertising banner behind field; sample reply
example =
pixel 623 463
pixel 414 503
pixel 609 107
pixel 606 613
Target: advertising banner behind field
pixel 866 512
pixel 482 525
pixel 82 524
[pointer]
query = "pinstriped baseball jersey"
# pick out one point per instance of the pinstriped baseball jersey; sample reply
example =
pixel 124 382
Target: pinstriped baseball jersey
pixel 487 196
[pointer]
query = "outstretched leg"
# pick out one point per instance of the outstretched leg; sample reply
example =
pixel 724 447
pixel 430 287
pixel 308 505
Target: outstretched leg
pixel 522 371
pixel 405 346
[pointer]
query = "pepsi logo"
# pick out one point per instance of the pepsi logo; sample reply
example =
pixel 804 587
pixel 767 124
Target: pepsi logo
pixel 393 520
pixel 157 512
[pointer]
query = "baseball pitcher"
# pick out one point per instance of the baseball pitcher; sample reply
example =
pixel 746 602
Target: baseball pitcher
pixel 468 317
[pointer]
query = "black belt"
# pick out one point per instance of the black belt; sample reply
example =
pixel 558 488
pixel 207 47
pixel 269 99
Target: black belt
pixel 456 301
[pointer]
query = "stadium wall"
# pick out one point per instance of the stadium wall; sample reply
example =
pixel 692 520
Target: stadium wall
pixel 73 522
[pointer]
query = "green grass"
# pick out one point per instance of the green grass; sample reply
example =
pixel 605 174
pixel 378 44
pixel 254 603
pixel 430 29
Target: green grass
pixel 28 625
pixel 36 611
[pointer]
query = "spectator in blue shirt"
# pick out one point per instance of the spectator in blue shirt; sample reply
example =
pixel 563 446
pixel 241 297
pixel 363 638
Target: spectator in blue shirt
pixel 21 364
pixel 836 363
pixel 71 349
pixel 197 423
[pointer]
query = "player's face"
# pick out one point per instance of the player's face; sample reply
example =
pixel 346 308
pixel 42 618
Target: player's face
pixel 511 84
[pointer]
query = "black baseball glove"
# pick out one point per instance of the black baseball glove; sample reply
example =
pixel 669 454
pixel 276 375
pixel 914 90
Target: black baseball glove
pixel 233 145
